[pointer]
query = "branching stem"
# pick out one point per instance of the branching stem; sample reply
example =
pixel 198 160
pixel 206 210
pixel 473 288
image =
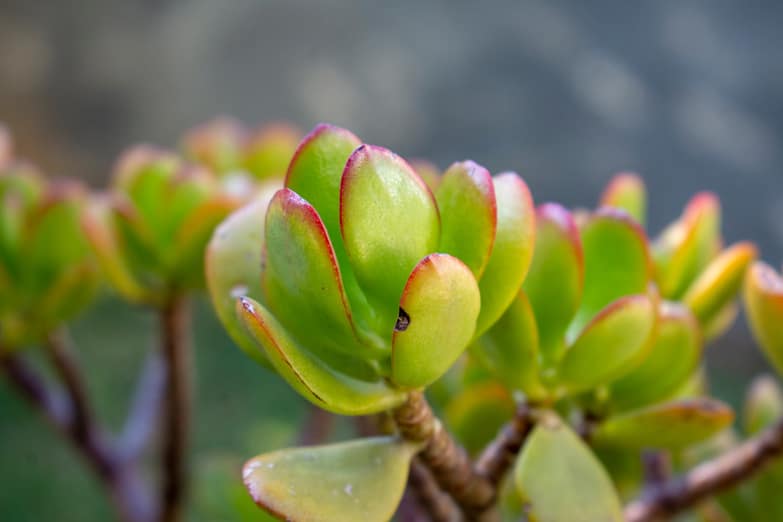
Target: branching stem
pixel 708 478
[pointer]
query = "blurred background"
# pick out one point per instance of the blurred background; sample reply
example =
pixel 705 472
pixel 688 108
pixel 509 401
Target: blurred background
pixel 687 93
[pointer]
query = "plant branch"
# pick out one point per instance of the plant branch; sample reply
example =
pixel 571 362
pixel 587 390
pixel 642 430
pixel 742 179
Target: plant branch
pixel 67 368
pixel 424 501
pixel 708 478
pixel 498 457
pixel 446 460
pixel 145 408
pixel 174 318
pixel 126 488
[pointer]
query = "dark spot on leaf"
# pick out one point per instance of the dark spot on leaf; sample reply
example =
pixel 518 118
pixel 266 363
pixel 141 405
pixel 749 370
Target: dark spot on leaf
pixel 403 321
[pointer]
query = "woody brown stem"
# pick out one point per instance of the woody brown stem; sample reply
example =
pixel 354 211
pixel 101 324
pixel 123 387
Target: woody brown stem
pixel 176 354
pixel 445 459
pixel 62 358
pixel 707 479
pixel 498 457
pixel 424 501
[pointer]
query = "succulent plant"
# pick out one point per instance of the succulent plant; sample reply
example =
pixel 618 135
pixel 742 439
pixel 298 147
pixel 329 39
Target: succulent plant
pixel 371 285
pixel 47 271
pixel 151 228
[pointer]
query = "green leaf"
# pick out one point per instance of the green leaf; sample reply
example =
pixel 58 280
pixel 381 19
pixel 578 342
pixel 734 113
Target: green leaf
pixel 269 150
pixel 233 269
pixel 389 222
pixel 763 404
pixel 468 213
pixel 670 362
pixel 216 144
pixel 763 298
pixel 509 349
pixel 311 377
pixel 554 282
pixel 720 282
pixel 427 171
pixel 686 247
pixel 672 425
pixel 302 281
pixel 358 481
pixel 617 263
pixel 560 479
pixel 512 250
pixel 626 191
pixel 438 311
pixel 477 413
pixel 610 344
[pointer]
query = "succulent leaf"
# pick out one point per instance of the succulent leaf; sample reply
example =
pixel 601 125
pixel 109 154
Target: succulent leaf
pixel 468 213
pixel 512 251
pixel 357 481
pixel 626 191
pixel 315 380
pixel 763 298
pixel 763 404
pixel 555 279
pixel 438 311
pixel 560 479
pixel 671 425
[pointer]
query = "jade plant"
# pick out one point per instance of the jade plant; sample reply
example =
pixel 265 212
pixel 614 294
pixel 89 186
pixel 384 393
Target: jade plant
pixel 500 359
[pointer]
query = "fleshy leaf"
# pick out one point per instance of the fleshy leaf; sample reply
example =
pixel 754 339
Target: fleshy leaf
pixel 554 282
pixel 617 263
pixel 560 480
pixel 512 251
pixel 437 318
pixel 468 213
pixel 477 413
pixel 357 481
pixel 686 247
pixel 509 349
pixel 672 359
pixel 626 191
pixel 315 173
pixel 311 377
pixel 233 269
pixel 610 344
pixel 721 322
pixel 720 282
pixel 672 425
pixel 763 405
pixel 269 150
pixel 389 222
pixel 216 144
pixel 427 171
pixel 763 297
pixel 301 278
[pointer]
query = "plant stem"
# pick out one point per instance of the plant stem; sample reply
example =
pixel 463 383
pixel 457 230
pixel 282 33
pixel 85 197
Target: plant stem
pixel 708 478
pixel 318 425
pixel 498 457
pixel 174 318
pixel 424 501
pixel 446 460
pixel 129 496
pixel 62 358
pixel 145 408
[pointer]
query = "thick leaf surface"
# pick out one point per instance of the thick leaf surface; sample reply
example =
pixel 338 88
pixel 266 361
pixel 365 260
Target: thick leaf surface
pixel 763 405
pixel 720 282
pixel 233 269
pixel 437 318
pixel 269 150
pixel 389 222
pixel 672 425
pixel 468 213
pixel 512 251
pixel 301 278
pixel 626 191
pixel 560 479
pixel 311 377
pixel 617 263
pixel 763 297
pixel 358 481
pixel 554 282
pixel 611 343
pixel 672 359
pixel 509 349
pixel 476 415
pixel 687 246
